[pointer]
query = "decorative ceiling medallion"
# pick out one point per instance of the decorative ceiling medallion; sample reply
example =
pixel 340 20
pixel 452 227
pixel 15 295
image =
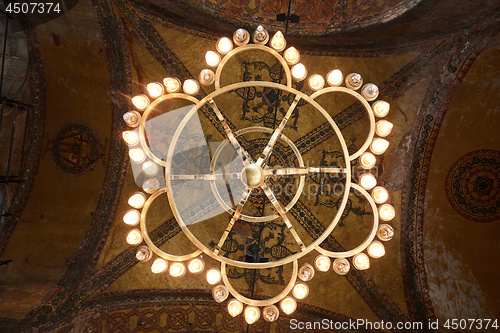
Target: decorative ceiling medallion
pixel 472 186
pixel 76 148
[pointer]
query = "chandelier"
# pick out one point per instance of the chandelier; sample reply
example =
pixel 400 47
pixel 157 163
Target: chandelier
pixel 232 174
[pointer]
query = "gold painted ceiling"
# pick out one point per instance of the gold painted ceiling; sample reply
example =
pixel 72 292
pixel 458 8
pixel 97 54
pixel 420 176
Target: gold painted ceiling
pixel 65 265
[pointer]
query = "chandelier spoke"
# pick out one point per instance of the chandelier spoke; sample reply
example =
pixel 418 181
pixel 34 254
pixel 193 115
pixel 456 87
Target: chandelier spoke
pixel 230 135
pixel 214 176
pixel 235 218
pixel 281 211
pixel 277 133
pixel 301 171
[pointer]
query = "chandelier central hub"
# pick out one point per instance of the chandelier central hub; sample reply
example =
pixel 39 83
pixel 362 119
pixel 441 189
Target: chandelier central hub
pixel 252 175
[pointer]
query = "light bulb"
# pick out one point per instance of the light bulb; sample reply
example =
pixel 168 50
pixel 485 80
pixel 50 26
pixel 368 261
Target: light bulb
pixel 220 293
pixel 177 269
pixel 234 307
pixel 207 77
pixel 385 232
pixel 353 81
pixel 155 89
pixel 172 84
pixel 292 56
pixel 383 128
pixel 376 249
pixel 132 217
pixel 270 313
pixel 322 263
pixel 252 314
pixel 130 137
pixel 288 305
pixel 381 108
pixel 132 118
pixel 151 185
pixel 213 276
pixel 278 41
pixel 137 155
pixel 316 82
pixel 191 87
pixel 299 72
pixel 241 37
pixel 260 35
pixel 224 45
pixel 212 59
pixel 369 91
pixel 196 265
pixel 141 102
pixel 380 195
pixel 334 78
pixel 368 181
pixel 361 261
pixel 150 168
pixel 306 272
pixel 379 146
pixel 341 266
pixel 300 291
pixel 143 254
pixel 134 237
pixel 367 160
pixel 386 212
pixel 159 266
pixel 137 200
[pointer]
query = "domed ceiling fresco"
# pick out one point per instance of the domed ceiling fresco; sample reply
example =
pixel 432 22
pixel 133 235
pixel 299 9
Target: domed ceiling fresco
pixel 65 265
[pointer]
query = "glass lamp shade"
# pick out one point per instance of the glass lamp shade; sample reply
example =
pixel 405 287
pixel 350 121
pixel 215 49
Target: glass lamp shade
pixel 306 272
pixel 322 263
pixel 334 78
pixel 252 314
pixel 159 266
pixel 132 118
pixel 369 91
pixel 368 181
pixel 386 212
pixel 137 155
pixel 380 195
pixel 316 82
pixel 207 77
pixel 379 146
pixel 300 291
pixel 191 87
pixel 150 168
pixel 292 56
pixel 213 276
pixel 137 200
pixel 353 81
pixel 234 307
pixel 278 41
pixel 143 254
pixel 212 58
pixel 196 266
pixel 224 45
pixel 367 160
pixel 134 237
pixel 383 128
pixel 270 313
pixel 385 232
pixel 151 185
pixel 376 249
pixel 220 293
pixel 361 261
pixel 381 108
pixel 177 269
pixel 172 84
pixel 141 102
pixel 288 305
pixel 260 36
pixel 299 72
pixel 132 217
pixel 130 137
pixel 241 37
pixel 155 89
pixel 341 266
